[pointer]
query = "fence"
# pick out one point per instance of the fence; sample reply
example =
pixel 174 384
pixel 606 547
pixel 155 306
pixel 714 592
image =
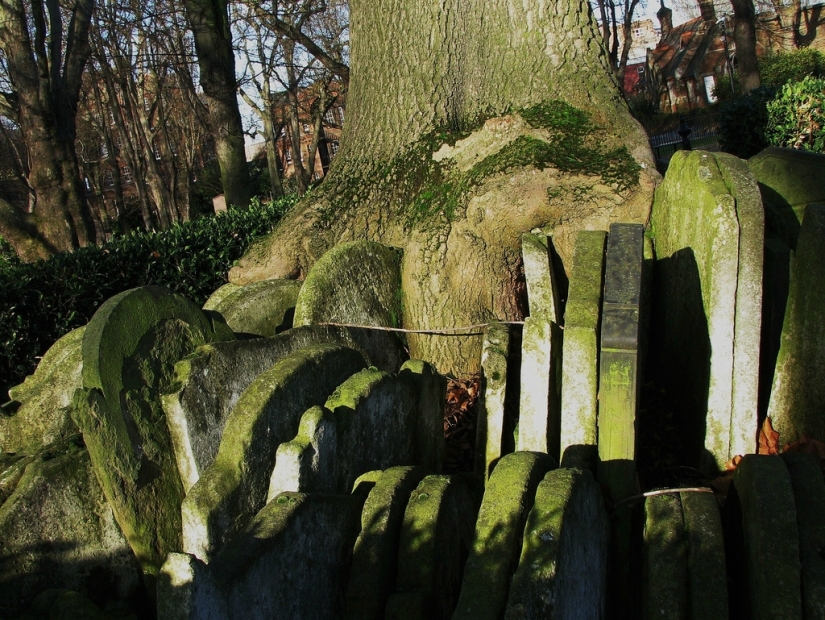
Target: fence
pixel 665 139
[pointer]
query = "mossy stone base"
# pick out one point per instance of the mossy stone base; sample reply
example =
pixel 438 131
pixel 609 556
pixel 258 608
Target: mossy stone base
pixel 44 416
pixel 665 574
pixel 707 586
pixel 497 543
pixel 234 487
pixel 562 570
pixel 375 555
pixel 58 531
pixel 436 535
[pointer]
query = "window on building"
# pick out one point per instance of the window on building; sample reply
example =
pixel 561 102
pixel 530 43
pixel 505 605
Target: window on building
pixel 640 70
pixel 108 178
pixel 104 150
pixel 288 155
pixel 341 114
pixel 333 148
pixel 127 175
pixel 156 151
pixel 710 84
pixel 306 127
pixel 88 184
pixel 329 117
pixel 637 33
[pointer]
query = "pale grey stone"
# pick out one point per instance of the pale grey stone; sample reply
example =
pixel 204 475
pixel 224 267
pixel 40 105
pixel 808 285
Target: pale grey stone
pixel 490 408
pixel 261 309
pixel 538 426
pixel 542 293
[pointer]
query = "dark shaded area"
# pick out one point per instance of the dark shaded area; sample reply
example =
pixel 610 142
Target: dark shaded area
pixel 775 287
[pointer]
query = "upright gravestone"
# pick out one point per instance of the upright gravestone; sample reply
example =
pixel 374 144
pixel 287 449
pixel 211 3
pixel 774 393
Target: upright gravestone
pixel 260 309
pixel 357 283
pixel 436 534
pixel 769 540
pixel 580 357
pixel 375 555
pixel 209 383
pixel 562 572
pixel 707 574
pixel 494 555
pixel 129 350
pixel 709 238
pixel 665 574
pixel 540 352
pixel 797 403
pixel 233 488
pixel 491 407
pixel 46 396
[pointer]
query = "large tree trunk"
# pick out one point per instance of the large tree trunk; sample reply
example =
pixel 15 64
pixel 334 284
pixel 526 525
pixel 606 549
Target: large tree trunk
pixel 213 43
pixel 744 33
pixel 420 66
pixel 46 77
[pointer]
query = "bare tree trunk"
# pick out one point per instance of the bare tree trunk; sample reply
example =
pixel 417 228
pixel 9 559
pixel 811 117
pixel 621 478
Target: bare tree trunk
pixel 423 70
pixel 744 33
pixel 47 83
pixel 213 42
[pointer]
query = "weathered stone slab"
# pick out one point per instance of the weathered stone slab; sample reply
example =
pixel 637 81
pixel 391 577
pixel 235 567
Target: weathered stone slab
pixel 209 383
pixel 436 534
pixel 289 562
pixel 770 539
pixel 494 555
pixel 233 488
pixel 707 577
pixel 58 531
pixel 261 309
pixel 357 283
pixel 709 234
pixel 220 294
pixel 490 408
pixel 428 419
pixel 542 294
pixel 538 426
pixel 129 350
pixel 797 404
pixel 562 571
pixel 43 416
pixel 580 357
pixel 809 499
pixel 619 358
pixel 789 180
pixel 665 574
pixel 375 555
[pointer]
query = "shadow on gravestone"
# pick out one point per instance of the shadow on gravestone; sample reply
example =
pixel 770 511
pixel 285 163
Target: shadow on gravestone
pixel 260 309
pixel 681 357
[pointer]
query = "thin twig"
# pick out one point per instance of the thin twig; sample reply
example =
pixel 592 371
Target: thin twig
pixel 633 498
pixel 443 330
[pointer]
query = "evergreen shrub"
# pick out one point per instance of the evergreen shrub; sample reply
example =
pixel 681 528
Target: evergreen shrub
pixel 779 69
pixel 796 117
pixel 42 301
pixel 742 123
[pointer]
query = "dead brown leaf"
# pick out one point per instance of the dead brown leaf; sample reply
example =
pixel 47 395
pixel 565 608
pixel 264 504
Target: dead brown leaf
pixel 768 439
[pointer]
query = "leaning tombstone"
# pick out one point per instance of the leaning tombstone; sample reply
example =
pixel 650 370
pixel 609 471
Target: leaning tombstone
pixel 540 352
pixel 766 540
pixel 357 283
pixel 234 487
pixel 58 531
pixel 491 406
pixel 580 356
pixel 551 581
pixel 809 499
pixel 209 383
pixel 375 555
pixel 259 309
pixel 707 573
pixel 665 572
pixel 789 180
pixel 708 223
pixel 289 562
pixel 797 402
pixel 508 498
pixel 129 350
pixel 44 416
pixel 436 534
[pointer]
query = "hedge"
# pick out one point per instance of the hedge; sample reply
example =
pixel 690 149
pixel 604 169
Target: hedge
pixel 42 301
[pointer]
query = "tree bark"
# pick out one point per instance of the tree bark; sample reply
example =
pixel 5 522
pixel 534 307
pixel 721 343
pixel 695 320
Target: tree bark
pixel 421 66
pixel 46 82
pixel 744 33
pixel 213 43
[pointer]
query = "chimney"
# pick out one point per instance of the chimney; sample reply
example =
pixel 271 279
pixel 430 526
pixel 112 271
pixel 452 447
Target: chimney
pixel 665 16
pixel 708 10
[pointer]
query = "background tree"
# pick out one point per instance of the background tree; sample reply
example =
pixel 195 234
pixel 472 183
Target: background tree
pixel 45 49
pixel 428 73
pixel 209 20
pixel 615 19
